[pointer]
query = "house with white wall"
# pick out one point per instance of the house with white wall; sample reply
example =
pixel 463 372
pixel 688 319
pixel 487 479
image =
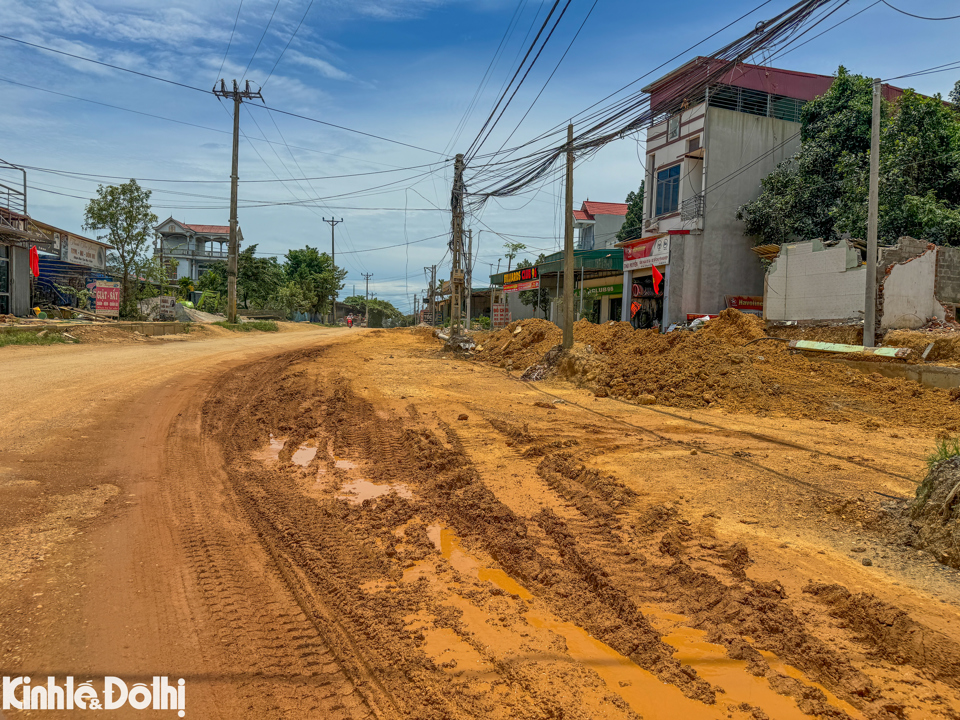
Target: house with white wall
pixel 598 223
pixel 193 247
pixel 705 157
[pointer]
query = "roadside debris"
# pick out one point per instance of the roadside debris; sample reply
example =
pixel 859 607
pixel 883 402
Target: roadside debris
pixel 936 512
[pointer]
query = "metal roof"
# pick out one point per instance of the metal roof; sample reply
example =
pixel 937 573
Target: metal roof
pixel 609 260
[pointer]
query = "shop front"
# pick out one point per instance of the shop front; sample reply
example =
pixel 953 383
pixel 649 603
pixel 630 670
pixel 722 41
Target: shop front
pixel 646 281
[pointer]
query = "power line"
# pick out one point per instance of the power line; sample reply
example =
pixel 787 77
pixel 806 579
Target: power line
pixel 257 49
pixel 919 17
pixel 97 62
pixel 296 30
pixel 230 42
pixel 341 127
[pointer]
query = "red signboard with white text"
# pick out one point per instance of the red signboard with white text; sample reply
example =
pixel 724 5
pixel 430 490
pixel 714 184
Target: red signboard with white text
pixel 646 252
pixel 752 304
pixel 108 298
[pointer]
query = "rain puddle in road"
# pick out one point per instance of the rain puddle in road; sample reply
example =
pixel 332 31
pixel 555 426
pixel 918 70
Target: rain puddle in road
pixel 345 465
pixel 642 690
pixel 271 453
pixel 304 455
pixel 356 491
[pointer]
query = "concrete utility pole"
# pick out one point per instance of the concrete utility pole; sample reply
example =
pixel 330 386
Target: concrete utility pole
pixel 333 261
pixel 469 275
pixel 238 96
pixel 456 247
pixel 870 301
pixel 432 293
pixel 568 271
pixel 366 312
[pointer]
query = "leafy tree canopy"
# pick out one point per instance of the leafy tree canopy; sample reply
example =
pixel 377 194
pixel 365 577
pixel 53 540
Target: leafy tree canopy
pixel 384 306
pixel 822 190
pixel 123 212
pixel 632 227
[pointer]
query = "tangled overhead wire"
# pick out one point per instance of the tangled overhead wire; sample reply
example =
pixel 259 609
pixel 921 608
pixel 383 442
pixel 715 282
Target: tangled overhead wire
pixel 505 174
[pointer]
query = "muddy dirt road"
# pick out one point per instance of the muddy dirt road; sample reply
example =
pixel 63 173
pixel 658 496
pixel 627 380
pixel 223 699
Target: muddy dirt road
pixel 331 524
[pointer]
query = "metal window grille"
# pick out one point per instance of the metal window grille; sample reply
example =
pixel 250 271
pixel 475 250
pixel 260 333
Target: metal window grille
pixel 756 102
pixel 692 207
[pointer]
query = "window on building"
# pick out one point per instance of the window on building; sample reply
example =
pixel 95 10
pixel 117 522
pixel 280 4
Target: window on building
pixel 693 144
pixel 668 190
pixel 673 128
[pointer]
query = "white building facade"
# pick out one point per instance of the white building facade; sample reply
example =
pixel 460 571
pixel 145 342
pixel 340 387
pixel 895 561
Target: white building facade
pixel 193 247
pixel 706 156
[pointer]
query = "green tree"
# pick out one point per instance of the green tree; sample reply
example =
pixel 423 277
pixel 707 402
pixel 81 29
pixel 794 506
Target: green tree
pixel 539 298
pixel 292 297
pixel 315 272
pixel 511 250
pixel 383 306
pixel 821 191
pixel 123 211
pixel 258 279
pixel 632 227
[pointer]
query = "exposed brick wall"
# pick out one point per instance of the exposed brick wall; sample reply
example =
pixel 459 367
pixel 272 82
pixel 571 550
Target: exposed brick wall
pixel 947 287
pixel 906 248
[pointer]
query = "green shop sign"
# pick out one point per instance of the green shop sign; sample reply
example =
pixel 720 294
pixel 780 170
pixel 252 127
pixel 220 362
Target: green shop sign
pixel 595 292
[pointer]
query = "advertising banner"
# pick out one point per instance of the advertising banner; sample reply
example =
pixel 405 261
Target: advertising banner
pixel 521 286
pixel 646 252
pixel 82 252
pixel 520 275
pixel 499 316
pixel 603 290
pixel 108 298
pixel 751 304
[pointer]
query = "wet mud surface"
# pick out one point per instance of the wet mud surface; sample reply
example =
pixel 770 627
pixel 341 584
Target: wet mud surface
pixel 507 564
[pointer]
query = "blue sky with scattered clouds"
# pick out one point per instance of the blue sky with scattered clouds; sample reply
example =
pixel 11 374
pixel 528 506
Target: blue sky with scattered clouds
pixel 402 69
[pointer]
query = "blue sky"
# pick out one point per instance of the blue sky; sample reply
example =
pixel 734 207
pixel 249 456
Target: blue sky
pixel 403 69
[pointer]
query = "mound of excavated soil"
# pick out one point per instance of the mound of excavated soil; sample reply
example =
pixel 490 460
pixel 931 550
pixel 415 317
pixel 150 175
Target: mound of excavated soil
pixel 936 512
pixel 714 367
pixel 946 344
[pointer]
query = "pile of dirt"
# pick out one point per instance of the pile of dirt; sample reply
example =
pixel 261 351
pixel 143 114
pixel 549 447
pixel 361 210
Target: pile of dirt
pixel 520 344
pixel 946 344
pixel 936 512
pixel 715 367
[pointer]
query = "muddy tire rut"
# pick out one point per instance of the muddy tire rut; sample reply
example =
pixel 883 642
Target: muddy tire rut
pixel 389 605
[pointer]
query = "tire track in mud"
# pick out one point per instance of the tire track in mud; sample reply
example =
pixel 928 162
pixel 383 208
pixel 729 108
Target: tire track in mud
pixel 594 570
pixel 271 660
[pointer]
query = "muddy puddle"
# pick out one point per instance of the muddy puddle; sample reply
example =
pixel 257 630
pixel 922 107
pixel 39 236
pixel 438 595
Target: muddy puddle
pixel 271 453
pixel 304 455
pixel 356 491
pixel 716 667
pixel 640 689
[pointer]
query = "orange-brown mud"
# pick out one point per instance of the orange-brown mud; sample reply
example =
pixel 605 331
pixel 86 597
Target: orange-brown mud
pixel 716 367
pixel 366 525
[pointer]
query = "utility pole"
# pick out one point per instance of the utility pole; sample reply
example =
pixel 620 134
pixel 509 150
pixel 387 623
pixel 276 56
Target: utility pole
pixel 333 261
pixel 456 247
pixel 432 293
pixel 568 271
pixel 366 311
pixel 238 96
pixel 469 275
pixel 870 301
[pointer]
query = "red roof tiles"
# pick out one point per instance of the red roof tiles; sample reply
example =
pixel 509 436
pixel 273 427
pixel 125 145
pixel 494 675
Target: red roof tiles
pixel 590 209
pixel 211 229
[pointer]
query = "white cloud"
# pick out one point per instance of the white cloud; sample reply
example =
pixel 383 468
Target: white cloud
pixel 322 66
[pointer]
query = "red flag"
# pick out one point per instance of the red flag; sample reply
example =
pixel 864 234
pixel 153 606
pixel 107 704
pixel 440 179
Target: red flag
pixel 34 262
pixel 634 308
pixel 657 278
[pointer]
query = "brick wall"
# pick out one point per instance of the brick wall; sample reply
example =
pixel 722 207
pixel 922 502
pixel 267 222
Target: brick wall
pixel 948 275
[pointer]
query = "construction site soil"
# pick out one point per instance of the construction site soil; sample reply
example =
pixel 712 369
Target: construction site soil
pixel 727 365
pixel 364 524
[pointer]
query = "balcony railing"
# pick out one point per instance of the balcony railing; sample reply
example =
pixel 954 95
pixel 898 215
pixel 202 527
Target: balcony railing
pixel 692 208
pixel 184 252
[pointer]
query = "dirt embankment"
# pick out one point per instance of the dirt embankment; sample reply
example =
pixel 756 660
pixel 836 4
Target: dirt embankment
pixel 936 512
pixel 716 367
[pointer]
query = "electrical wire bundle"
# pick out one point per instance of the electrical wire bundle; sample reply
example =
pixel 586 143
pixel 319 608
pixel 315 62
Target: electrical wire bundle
pixel 513 175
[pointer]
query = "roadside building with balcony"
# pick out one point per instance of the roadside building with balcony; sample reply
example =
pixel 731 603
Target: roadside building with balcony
pixel 705 157
pixel 193 247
